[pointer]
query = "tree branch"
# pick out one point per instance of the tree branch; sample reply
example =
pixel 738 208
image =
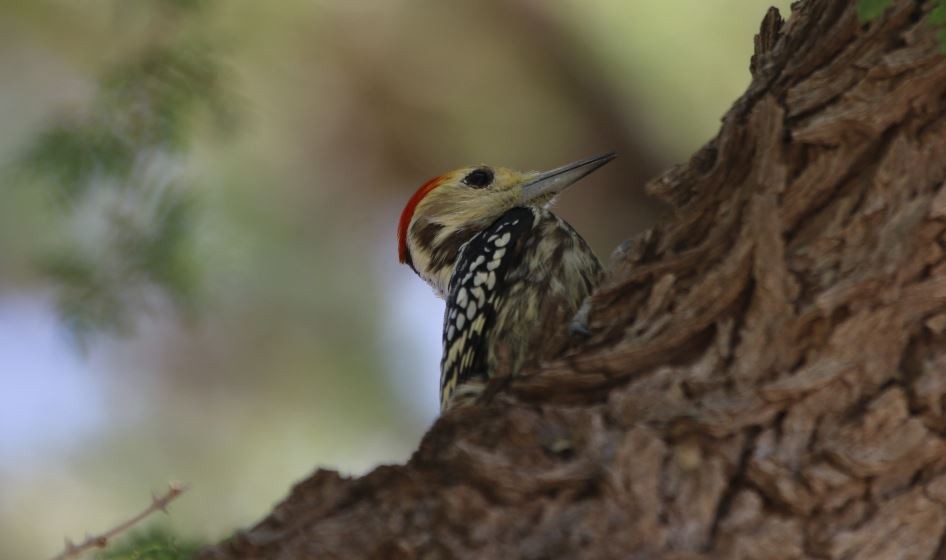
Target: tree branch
pixel 158 503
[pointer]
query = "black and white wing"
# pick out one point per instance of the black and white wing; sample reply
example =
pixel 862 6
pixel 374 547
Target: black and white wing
pixel 475 292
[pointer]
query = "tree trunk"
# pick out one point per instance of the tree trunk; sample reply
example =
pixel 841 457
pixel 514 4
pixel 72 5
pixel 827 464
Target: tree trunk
pixel 766 373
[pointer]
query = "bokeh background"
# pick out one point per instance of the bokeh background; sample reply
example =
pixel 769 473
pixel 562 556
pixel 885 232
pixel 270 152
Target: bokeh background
pixel 198 273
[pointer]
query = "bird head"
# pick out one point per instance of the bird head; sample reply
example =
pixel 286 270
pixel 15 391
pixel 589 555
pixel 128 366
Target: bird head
pixel 446 211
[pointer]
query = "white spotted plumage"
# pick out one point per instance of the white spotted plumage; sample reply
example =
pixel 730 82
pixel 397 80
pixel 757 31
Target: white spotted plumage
pixel 471 303
pixel 482 303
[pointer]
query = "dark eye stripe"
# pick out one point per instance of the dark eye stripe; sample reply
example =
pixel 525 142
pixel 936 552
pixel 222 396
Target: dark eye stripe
pixel 479 178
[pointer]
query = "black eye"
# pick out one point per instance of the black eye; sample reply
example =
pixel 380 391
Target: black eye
pixel 479 178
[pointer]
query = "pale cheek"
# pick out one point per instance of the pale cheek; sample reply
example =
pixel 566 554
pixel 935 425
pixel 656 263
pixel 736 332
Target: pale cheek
pixel 418 256
pixel 499 202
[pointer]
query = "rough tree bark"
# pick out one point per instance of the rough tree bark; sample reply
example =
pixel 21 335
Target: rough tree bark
pixel 766 374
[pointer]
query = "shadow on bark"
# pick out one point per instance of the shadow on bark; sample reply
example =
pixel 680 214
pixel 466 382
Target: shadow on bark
pixel 766 373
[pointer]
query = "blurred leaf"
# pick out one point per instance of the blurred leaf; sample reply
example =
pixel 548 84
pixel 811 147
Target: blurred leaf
pixel 870 9
pixel 72 154
pixel 937 18
pixel 938 15
pixel 86 301
pixel 154 544
pixel 156 94
pixel 162 254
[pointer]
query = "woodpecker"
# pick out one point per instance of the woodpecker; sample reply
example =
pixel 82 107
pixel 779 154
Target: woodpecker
pixel 513 274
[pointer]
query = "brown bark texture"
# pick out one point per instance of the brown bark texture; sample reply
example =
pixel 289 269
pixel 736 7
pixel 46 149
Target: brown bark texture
pixel 766 371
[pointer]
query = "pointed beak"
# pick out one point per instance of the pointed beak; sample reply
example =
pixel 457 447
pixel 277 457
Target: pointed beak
pixel 550 183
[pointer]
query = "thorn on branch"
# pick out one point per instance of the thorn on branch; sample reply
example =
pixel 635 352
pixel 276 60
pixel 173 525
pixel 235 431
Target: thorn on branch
pixel 158 503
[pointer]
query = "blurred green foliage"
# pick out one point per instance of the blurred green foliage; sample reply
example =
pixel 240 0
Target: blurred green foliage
pixel 870 9
pixel 110 164
pixel 74 153
pixel 99 290
pixel 156 543
pixel 938 18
